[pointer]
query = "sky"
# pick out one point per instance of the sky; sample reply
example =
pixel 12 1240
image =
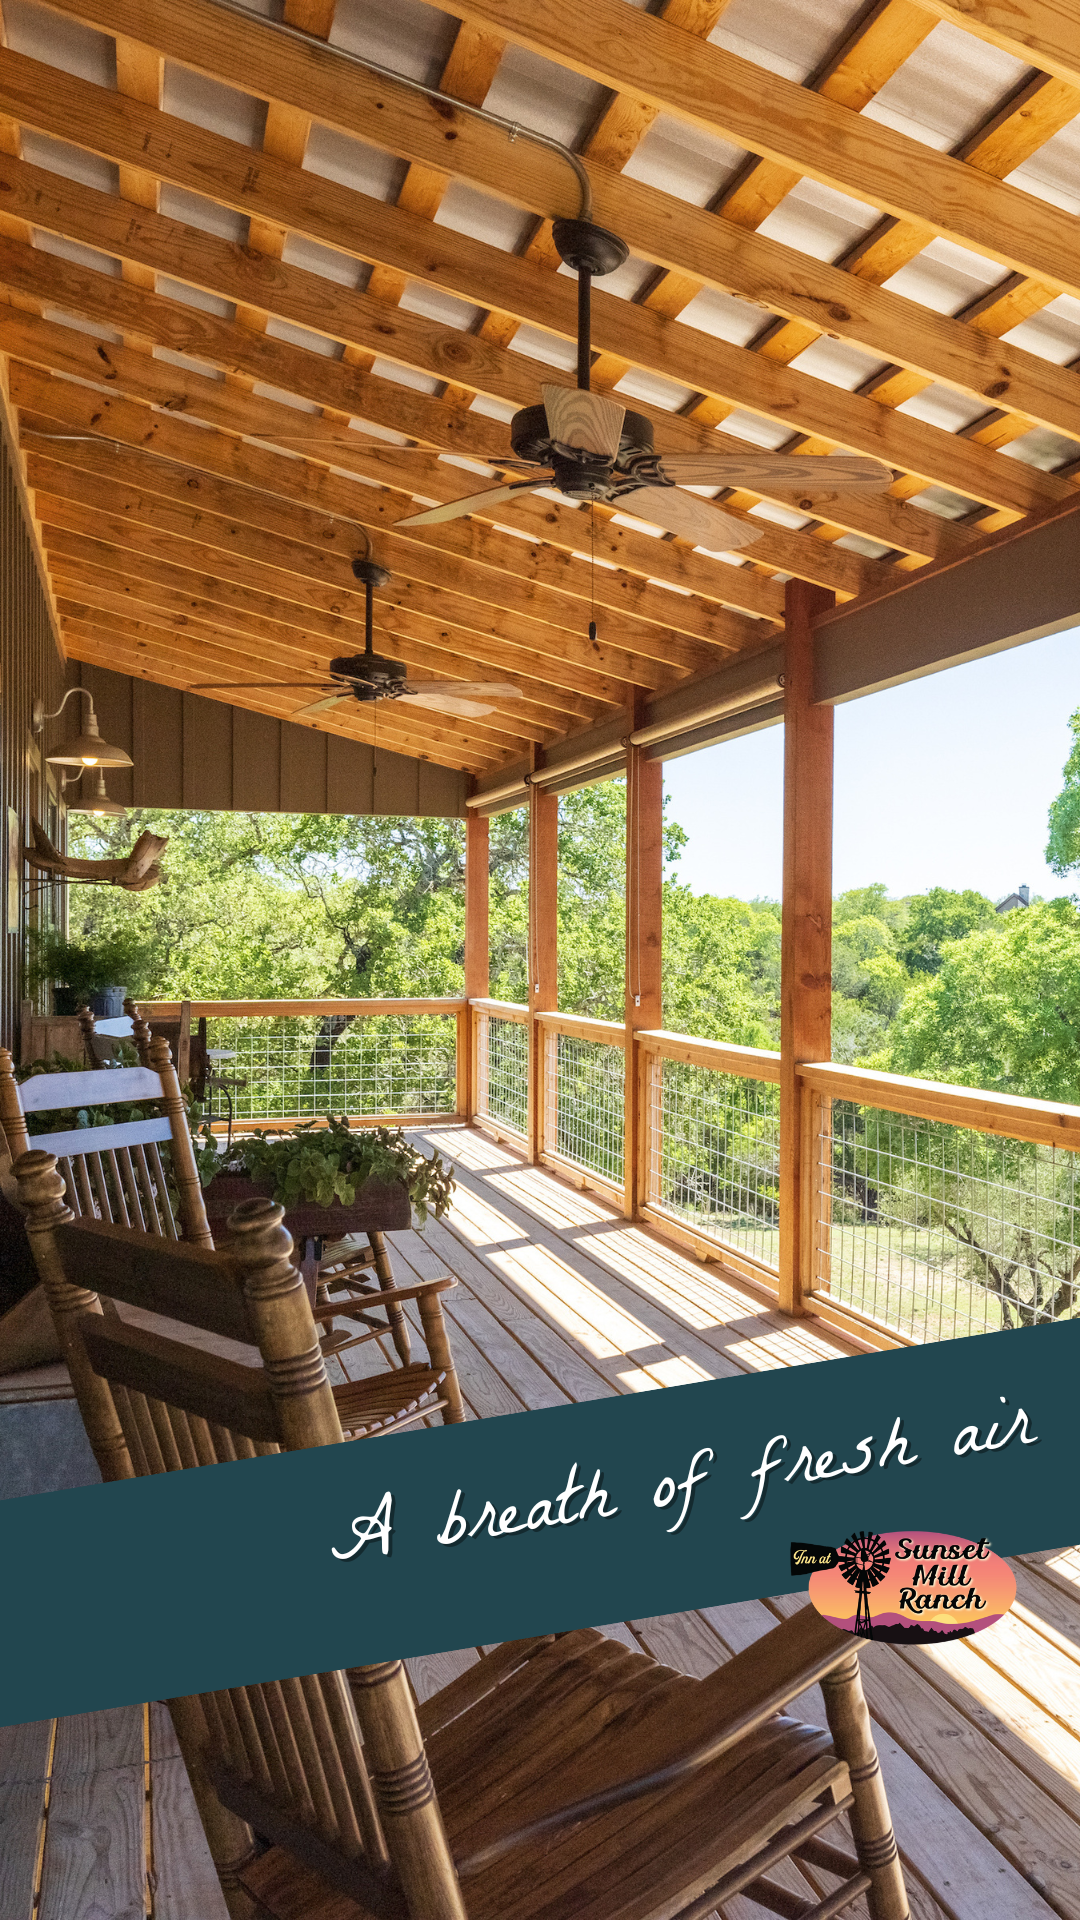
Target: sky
pixel 945 781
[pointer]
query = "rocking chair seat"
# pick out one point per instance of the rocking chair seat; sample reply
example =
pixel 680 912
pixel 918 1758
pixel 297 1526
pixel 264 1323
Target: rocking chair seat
pixel 388 1399
pixel 586 1708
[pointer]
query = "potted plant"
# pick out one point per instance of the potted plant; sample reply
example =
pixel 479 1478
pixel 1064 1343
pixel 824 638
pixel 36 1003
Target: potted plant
pixel 331 1179
pixel 93 973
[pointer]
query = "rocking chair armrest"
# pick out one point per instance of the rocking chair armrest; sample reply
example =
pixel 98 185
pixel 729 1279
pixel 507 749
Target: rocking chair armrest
pixel 386 1298
pixel 686 1731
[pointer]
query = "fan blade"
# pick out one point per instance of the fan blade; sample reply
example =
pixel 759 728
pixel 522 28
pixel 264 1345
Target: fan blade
pixel 588 421
pixel 465 689
pixel 203 686
pixel 445 703
pixel 803 473
pixel 691 517
pixel 473 502
pixel 317 706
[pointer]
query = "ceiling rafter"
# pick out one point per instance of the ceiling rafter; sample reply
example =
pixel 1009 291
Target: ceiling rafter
pixel 169 454
pixel 726 257
pixel 60 468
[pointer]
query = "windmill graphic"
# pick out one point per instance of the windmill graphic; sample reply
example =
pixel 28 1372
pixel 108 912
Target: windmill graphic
pixel 864 1560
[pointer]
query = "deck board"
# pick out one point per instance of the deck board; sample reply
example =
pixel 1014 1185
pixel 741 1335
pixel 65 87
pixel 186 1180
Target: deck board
pixel 560 1299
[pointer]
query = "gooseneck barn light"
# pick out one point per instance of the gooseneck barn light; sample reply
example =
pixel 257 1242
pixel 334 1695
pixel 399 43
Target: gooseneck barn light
pixel 88 749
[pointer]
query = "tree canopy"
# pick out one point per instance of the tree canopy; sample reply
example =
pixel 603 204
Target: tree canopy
pixel 268 906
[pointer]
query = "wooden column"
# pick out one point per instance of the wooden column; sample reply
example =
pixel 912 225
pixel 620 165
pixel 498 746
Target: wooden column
pixel 806 943
pixel 644 931
pixel 477 952
pixel 543 940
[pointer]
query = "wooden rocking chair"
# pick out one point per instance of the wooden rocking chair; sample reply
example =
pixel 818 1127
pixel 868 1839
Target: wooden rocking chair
pixel 563 1778
pixel 110 1172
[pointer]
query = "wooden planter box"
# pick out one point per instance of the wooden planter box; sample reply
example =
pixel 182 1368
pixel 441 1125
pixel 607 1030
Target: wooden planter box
pixel 380 1206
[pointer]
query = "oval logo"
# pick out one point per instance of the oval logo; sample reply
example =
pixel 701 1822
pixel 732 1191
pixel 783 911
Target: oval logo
pixel 913 1588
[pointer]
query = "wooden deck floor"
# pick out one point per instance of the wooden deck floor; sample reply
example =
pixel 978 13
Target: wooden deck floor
pixel 559 1300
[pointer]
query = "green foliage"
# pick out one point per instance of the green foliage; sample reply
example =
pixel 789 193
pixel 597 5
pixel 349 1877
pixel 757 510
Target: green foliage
pixel 938 916
pixel 1063 845
pixel 1003 1012
pixel 119 957
pixel 321 1164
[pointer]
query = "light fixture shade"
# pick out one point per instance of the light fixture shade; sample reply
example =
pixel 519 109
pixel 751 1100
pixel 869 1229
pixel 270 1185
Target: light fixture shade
pixel 98 802
pixel 89 749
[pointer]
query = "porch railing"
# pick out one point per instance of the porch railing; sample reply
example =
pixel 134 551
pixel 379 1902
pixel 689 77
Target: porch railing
pixel 931 1211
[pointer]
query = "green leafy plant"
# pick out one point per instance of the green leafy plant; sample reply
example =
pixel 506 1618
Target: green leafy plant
pixel 120 959
pixel 322 1164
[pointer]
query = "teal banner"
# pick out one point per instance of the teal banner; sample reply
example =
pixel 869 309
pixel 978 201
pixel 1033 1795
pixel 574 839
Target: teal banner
pixel 532 1523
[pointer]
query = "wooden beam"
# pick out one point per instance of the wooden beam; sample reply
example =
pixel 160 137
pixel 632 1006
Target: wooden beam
pixel 474 597
pixel 631 559
pixel 703 85
pixel 270 651
pixel 644 945
pixel 477 907
pixel 806 934
pixel 144 522
pixel 100 646
pixel 254 611
pixel 779 393
pixel 147 648
pixel 543 956
pixel 624 319
pixel 1038 32
pixel 735 375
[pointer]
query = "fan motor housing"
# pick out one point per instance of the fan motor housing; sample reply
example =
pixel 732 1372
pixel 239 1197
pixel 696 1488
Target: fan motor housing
pixel 531 439
pixel 372 676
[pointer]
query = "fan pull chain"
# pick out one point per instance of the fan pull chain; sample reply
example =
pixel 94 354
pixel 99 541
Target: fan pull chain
pixel 592 572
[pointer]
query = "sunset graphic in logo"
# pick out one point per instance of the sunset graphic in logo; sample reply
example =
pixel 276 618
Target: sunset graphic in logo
pixel 913 1587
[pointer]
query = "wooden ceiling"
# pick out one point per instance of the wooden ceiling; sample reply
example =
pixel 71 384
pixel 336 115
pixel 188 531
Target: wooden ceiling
pixel 176 284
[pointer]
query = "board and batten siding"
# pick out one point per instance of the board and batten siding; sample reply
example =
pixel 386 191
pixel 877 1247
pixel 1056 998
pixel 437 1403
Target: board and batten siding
pixel 31 667
pixel 202 754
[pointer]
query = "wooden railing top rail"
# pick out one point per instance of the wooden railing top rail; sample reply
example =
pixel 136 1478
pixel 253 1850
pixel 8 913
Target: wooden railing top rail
pixel 581 1026
pixel 286 1009
pixel 748 1063
pixel 503 1009
pixel 1043 1122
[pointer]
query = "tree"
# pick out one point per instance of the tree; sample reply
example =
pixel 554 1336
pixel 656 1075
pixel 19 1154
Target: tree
pixel 1063 846
pixel 1003 1010
pixel 935 917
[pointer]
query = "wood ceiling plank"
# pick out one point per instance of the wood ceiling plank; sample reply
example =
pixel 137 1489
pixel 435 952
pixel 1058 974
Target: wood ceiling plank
pixel 425 346
pixel 216 658
pixel 203 513
pixel 43 343
pixel 145 535
pixel 703 85
pixel 664 230
pixel 395 631
pixel 145 661
pixel 780 393
pixel 81 597
pixel 163 446
pixel 282 642
pixel 1042 32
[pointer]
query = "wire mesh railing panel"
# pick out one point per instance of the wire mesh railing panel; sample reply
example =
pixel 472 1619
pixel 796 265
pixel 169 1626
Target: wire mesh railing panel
pixel 504 1072
pixel 714 1155
pixel 307 1066
pixel 584 1095
pixel 938 1231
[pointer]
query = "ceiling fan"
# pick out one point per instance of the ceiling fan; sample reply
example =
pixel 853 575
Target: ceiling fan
pixel 370 676
pixel 590 447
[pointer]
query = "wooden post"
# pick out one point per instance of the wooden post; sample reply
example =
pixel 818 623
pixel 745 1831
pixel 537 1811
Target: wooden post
pixel 543 941
pixel 477 951
pixel 644 933
pixel 806 939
